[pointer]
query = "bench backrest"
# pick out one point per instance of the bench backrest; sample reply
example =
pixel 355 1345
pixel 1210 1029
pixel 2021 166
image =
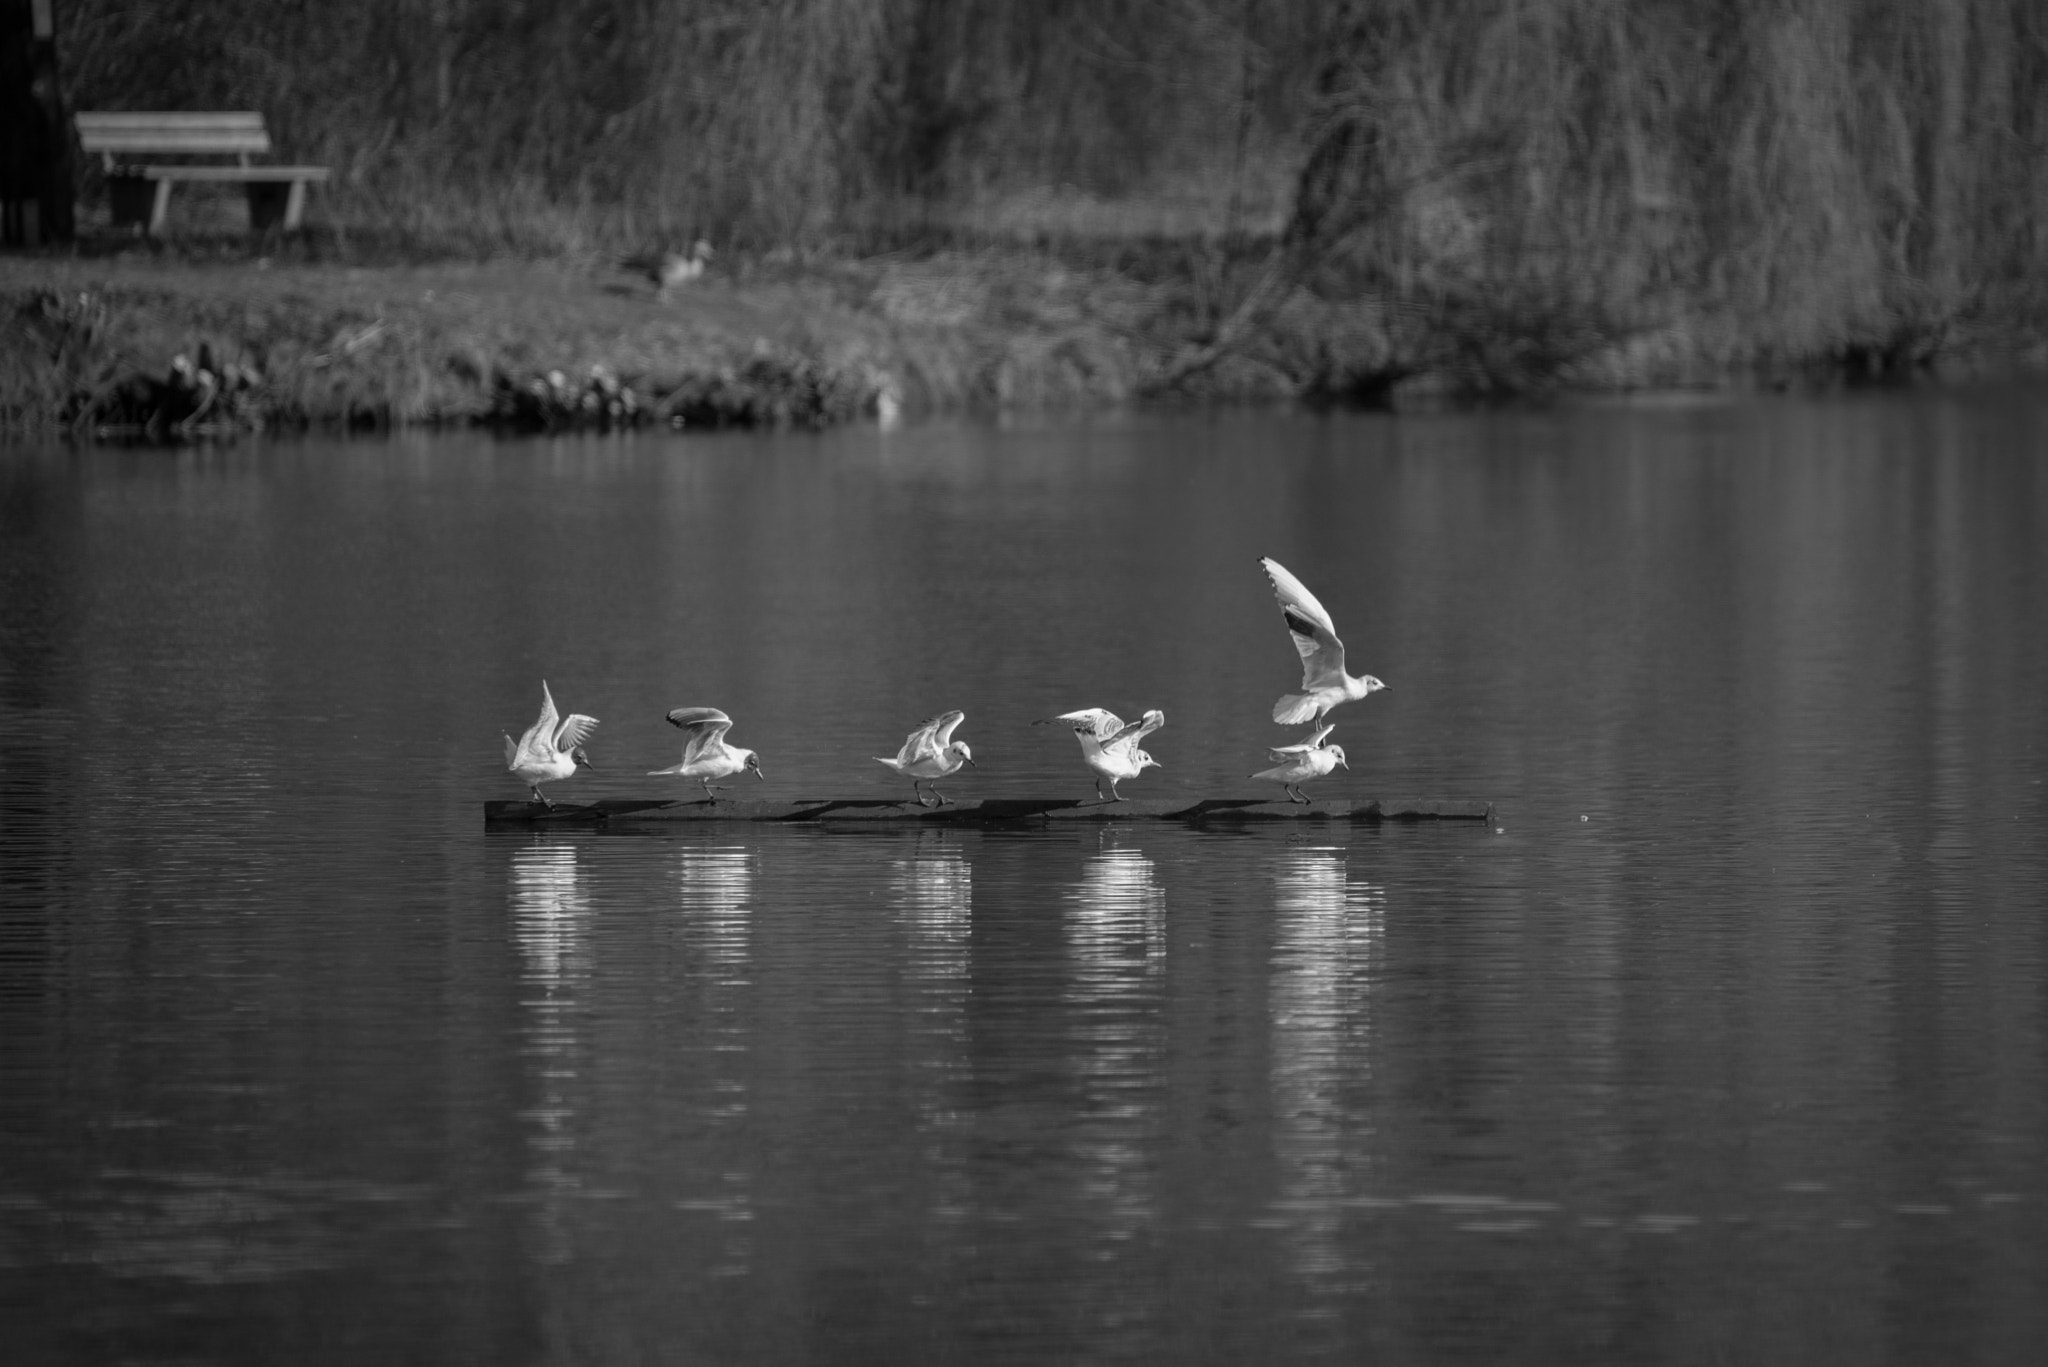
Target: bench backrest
pixel 230 134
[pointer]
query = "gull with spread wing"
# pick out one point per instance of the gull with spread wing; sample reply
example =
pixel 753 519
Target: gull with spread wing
pixel 931 753
pixel 705 754
pixel 1324 683
pixel 1300 763
pixel 551 748
pixel 1109 746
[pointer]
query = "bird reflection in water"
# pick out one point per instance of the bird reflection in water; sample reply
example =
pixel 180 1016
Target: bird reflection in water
pixel 932 892
pixel 1116 949
pixel 1327 946
pixel 714 893
pixel 934 888
pixel 551 919
pixel 713 886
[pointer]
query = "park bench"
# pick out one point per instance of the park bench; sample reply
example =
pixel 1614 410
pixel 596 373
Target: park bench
pixel 139 193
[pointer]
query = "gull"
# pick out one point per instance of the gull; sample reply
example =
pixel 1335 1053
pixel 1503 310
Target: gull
pixel 705 754
pixel 1300 763
pixel 1109 746
pixel 549 751
pixel 1324 683
pixel 930 752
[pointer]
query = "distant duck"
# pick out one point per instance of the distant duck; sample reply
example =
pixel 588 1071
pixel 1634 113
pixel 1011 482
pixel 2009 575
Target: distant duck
pixel 1324 681
pixel 550 749
pixel 1110 747
pixel 1300 763
pixel 930 753
pixel 705 754
pixel 676 269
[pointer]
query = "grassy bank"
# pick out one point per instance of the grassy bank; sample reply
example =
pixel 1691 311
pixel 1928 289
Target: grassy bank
pixel 163 344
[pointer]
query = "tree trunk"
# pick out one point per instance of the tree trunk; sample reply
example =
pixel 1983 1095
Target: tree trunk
pixel 36 165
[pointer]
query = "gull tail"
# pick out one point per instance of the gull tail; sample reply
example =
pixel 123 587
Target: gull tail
pixel 1294 708
pixel 511 751
pixel 672 769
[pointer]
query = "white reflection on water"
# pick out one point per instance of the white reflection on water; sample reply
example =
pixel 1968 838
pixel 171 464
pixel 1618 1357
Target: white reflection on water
pixel 933 892
pixel 1116 947
pixel 551 919
pixel 714 891
pixel 1328 939
pixel 713 887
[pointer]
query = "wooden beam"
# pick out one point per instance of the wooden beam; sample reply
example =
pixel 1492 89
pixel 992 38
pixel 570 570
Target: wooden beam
pixel 983 811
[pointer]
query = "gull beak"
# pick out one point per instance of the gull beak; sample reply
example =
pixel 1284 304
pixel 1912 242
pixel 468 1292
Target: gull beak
pixel 760 773
pixel 971 764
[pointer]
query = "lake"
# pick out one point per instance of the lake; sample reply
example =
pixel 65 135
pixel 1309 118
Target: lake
pixel 1725 1040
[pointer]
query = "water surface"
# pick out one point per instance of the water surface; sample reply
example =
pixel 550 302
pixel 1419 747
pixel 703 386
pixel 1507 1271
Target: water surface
pixel 1726 1041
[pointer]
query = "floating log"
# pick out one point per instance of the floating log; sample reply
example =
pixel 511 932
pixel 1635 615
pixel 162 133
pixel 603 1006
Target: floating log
pixel 981 811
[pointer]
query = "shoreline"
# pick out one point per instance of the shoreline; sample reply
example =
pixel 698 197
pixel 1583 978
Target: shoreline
pixel 154 344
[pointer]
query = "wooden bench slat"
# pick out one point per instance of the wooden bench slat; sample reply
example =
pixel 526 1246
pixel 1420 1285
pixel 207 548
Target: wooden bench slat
pixel 173 132
pixel 193 143
pixel 118 120
pixel 226 172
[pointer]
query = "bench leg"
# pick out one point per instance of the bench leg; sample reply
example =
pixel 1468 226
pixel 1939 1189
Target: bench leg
pixel 159 207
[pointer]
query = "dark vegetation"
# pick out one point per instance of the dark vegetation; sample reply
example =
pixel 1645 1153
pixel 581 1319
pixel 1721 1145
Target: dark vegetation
pixel 1356 202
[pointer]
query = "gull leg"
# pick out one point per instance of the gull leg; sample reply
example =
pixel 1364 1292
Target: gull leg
pixel 541 798
pixel 942 798
pixel 1300 796
pixel 709 794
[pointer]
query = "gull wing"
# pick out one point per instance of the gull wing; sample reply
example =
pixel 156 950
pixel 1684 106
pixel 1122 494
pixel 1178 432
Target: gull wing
pixel 1315 635
pixel 1096 723
pixel 1314 742
pixel 706 726
pixel 1127 737
pixel 942 728
pixel 537 741
pixel 576 729
pixel 919 742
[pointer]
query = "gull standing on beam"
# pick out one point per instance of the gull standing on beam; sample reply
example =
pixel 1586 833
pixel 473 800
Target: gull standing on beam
pixel 930 753
pixel 1110 747
pixel 705 754
pixel 549 750
pixel 1300 763
pixel 1324 683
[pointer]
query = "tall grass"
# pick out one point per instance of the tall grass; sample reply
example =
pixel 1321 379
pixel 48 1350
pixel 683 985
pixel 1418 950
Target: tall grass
pixel 755 122
pixel 1816 174
pixel 1774 178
